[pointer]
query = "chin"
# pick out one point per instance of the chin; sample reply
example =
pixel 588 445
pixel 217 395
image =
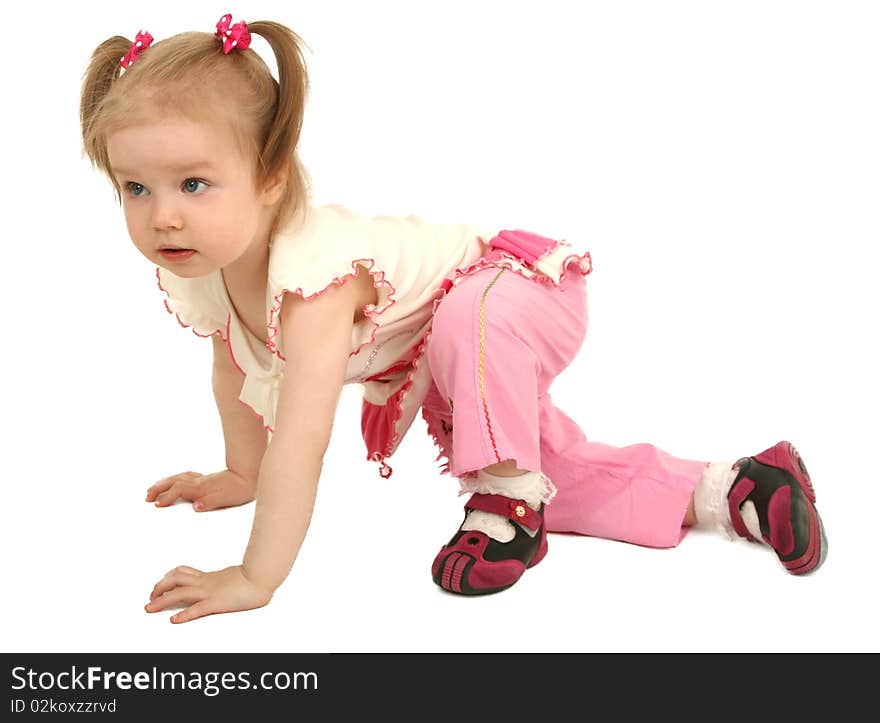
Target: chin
pixel 184 270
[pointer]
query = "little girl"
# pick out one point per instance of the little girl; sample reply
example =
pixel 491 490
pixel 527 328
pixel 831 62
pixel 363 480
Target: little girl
pixel 469 325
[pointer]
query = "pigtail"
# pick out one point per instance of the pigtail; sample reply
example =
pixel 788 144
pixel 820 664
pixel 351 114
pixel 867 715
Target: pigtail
pixel 101 73
pixel 282 137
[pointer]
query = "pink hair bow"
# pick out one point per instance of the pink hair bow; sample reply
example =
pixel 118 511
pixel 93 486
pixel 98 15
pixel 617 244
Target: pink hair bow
pixel 141 42
pixel 236 36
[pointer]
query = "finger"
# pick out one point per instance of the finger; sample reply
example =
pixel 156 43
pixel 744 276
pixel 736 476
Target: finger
pixel 197 610
pixel 179 569
pixel 168 481
pixel 187 489
pixel 182 489
pixel 182 568
pixel 159 488
pixel 174 597
pixel 164 484
pixel 171 581
pixel 169 496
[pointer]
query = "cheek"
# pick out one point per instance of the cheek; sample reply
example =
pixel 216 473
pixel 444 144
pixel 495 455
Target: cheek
pixel 135 227
pixel 233 225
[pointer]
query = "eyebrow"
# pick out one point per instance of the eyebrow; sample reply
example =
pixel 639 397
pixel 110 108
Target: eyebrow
pixel 179 167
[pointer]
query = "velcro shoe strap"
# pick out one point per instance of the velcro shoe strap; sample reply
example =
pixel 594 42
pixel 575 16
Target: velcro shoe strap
pixel 516 510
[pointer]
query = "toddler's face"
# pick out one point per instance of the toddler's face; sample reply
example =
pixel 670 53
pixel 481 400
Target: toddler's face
pixel 183 184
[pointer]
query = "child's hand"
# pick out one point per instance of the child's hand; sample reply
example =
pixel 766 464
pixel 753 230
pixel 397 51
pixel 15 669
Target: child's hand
pixel 205 491
pixel 206 593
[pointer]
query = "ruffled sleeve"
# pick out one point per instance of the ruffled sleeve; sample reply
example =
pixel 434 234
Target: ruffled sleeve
pixel 328 246
pixel 197 302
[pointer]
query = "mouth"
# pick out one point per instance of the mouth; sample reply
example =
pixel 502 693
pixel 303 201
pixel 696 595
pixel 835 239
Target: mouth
pixel 176 253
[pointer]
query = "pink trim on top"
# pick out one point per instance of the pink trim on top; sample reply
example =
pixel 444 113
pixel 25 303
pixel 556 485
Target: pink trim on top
pixel 356 265
pixel 177 316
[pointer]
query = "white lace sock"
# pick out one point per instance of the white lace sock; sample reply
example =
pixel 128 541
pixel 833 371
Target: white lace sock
pixel 710 502
pixel 533 487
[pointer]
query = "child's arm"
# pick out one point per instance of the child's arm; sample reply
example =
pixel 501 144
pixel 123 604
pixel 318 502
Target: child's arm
pixel 317 341
pixel 318 345
pixel 243 430
pixel 245 438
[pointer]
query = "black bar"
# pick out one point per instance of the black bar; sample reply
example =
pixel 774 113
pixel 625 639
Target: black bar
pixel 412 686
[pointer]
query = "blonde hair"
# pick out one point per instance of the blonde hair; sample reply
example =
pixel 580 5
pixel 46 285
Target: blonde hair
pixel 188 75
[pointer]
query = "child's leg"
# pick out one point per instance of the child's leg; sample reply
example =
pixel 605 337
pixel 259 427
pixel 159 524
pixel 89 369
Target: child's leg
pixel 643 495
pixel 638 493
pixel 496 340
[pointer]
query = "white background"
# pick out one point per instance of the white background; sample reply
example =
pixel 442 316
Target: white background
pixel 719 160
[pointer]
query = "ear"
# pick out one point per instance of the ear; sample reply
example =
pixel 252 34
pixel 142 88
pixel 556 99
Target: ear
pixel 274 187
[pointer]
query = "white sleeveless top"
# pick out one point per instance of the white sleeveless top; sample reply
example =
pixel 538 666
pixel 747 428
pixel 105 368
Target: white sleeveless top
pixel 413 264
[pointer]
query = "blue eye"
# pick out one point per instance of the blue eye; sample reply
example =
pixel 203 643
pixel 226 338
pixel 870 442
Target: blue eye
pixel 193 180
pixel 131 185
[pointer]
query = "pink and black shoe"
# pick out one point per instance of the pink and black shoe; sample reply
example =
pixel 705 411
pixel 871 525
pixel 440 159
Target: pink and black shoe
pixel 777 483
pixel 472 563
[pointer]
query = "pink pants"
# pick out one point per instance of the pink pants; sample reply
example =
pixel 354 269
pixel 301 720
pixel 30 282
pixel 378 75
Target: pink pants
pixel 498 341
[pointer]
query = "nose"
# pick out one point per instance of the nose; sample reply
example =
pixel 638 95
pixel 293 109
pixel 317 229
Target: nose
pixel 166 214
